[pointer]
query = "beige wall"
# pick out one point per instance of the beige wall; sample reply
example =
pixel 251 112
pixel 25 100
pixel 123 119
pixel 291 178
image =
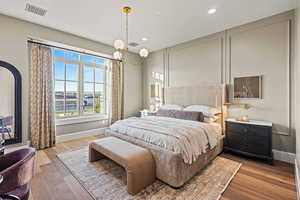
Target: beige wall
pixel 259 48
pixel 298 84
pixel 196 62
pixel 13 39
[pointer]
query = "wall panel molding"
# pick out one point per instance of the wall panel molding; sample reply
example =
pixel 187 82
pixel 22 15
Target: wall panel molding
pixel 222 60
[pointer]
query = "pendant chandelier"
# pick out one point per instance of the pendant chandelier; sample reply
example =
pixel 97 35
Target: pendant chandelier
pixel 121 47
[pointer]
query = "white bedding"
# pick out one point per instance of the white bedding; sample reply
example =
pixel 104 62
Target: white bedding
pixel 189 138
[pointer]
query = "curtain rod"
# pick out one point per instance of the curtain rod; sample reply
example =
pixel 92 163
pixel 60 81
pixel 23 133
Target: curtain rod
pixel 53 46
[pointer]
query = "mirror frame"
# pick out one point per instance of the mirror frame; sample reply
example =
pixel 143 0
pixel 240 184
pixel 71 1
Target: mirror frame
pixel 18 102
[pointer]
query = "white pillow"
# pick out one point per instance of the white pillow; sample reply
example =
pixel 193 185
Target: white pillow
pixel 207 111
pixel 171 107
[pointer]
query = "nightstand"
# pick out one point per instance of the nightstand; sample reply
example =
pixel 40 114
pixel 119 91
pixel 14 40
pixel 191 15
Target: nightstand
pixel 253 138
pixel 144 113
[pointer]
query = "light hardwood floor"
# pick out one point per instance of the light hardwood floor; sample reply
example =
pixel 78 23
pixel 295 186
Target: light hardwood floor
pixel 254 181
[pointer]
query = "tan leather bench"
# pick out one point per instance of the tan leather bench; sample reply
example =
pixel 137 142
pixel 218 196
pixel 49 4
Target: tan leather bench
pixel 137 161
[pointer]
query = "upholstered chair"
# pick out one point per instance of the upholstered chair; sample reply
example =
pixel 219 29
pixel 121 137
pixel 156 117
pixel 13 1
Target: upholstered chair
pixel 17 169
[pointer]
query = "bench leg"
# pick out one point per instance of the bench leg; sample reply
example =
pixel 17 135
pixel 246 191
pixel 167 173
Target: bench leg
pixel 94 155
pixel 141 177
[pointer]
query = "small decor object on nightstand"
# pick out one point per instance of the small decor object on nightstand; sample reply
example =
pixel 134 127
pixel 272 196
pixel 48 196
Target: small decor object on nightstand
pixel 242 118
pixel 252 138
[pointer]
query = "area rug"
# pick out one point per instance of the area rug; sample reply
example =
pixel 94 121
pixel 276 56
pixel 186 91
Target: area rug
pixel 105 180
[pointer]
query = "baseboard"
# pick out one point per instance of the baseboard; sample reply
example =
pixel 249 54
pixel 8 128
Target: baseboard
pixel 297 179
pixel 284 156
pixel 78 135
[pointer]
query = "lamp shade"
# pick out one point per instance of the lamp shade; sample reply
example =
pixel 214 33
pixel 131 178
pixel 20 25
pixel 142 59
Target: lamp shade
pixel 144 52
pixel 117 55
pixel 119 44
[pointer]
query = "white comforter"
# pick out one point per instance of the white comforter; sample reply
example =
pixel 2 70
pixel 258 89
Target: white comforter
pixel 189 138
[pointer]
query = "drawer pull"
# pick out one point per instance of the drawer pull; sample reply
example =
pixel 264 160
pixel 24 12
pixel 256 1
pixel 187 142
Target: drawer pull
pixel 245 130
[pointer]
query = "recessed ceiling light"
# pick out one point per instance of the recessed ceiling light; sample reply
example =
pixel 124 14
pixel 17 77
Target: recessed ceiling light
pixel 144 39
pixel 212 11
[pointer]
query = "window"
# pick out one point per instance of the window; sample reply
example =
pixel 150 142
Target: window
pixel 80 84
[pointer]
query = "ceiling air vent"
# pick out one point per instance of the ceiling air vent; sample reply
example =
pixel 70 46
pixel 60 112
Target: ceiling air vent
pixel 35 10
pixel 133 44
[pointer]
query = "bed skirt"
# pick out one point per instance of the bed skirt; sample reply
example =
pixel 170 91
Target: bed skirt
pixel 170 167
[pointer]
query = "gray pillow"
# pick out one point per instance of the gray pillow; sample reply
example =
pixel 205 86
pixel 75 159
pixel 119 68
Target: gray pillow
pixel 180 114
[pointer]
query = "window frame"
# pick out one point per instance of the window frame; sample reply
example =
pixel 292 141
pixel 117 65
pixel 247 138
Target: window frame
pixel 81 116
pixel 104 83
pixel 65 62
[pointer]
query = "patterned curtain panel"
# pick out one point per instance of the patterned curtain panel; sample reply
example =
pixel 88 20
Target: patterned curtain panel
pixel 42 115
pixel 117 96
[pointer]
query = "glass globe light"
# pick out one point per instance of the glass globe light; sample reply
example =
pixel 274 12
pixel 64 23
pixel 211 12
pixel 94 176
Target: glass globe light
pixel 118 55
pixel 144 52
pixel 119 44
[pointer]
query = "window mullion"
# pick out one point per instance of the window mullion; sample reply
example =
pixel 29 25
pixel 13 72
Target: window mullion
pixel 94 95
pixel 80 88
pixel 105 99
pixel 65 89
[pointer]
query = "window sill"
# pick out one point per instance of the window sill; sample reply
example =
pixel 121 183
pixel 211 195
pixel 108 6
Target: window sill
pixel 81 119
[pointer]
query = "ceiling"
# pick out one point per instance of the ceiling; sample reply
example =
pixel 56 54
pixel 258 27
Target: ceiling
pixel 165 22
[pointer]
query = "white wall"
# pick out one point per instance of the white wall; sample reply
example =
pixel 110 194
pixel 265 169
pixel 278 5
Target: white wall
pixel 259 48
pixel 13 39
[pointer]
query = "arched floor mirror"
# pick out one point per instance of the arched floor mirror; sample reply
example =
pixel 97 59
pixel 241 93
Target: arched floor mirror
pixel 10 104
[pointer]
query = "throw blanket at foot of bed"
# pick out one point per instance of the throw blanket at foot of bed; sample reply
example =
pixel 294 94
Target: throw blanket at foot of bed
pixel 189 138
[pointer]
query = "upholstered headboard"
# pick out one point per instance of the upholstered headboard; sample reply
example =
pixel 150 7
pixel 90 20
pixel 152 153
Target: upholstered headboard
pixel 204 94
pixel 214 95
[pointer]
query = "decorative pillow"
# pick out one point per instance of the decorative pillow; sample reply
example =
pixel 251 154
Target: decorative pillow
pixel 171 107
pixel 179 114
pixel 206 110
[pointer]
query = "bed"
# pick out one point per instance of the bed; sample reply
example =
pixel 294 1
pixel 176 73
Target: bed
pixel 171 166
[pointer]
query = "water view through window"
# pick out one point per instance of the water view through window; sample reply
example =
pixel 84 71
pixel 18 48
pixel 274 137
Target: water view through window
pixel 80 84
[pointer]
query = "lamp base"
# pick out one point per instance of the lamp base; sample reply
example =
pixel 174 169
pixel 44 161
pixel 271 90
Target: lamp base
pixel 242 119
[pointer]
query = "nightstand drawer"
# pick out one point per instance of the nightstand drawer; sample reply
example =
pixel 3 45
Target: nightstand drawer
pixel 236 140
pixel 259 146
pixel 235 127
pixel 249 129
pixel 249 139
pixel 259 131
